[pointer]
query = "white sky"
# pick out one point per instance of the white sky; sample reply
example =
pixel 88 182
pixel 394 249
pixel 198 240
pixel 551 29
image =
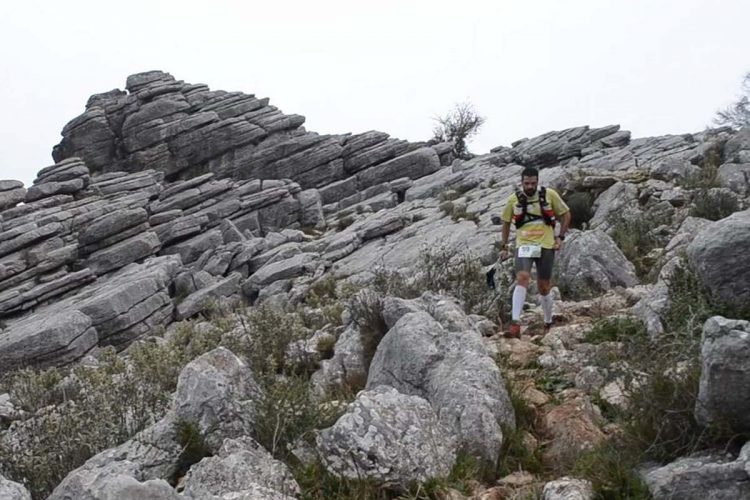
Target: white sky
pixel 655 67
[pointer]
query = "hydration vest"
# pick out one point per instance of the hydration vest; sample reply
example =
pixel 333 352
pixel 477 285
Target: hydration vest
pixel 520 212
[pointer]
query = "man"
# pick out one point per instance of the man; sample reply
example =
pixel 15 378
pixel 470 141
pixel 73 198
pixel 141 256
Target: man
pixel 541 218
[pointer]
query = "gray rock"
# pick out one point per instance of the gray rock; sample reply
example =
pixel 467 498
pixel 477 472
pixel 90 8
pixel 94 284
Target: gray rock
pixel 111 224
pixel 47 189
pixel 44 341
pixel 590 263
pixel 25 235
pixel 736 146
pixel 568 488
pixel 734 176
pixel 10 490
pixel 141 182
pixel 217 392
pixel 152 454
pixel 381 226
pixel 699 478
pixel 454 372
pixel 11 197
pixel 130 303
pixel 123 253
pixel 394 308
pixel 29 295
pixel 289 268
pixel 72 168
pixel 311 209
pixel 182 227
pixel 652 308
pixel 347 366
pixel 416 164
pixel 190 250
pixel 112 484
pixel 673 169
pixel 725 375
pixel 717 254
pixel 389 437
pixel 240 469
pixel 10 185
pixel 677 245
pixel 617 199
pixel 201 299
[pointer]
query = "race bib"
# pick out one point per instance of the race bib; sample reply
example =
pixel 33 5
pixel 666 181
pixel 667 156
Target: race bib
pixel 529 251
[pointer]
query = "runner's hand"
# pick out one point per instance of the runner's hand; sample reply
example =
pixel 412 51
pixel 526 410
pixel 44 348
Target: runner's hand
pixel 558 244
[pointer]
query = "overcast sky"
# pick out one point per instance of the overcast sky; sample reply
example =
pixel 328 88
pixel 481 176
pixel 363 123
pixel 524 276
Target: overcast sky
pixel 654 67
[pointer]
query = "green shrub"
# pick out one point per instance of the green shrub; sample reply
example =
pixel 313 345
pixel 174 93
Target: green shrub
pixel 449 195
pixel 515 455
pixel 581 209
pixel 619 328
pixel 33 390
pixel 367 313
pixel 713 205
pixel 386 282
pixel 317 483
pixel 611 468
pixel 443 269
pixel 194 448
pixel 446 207
pixel 691 302
pixel 634 237
pixel 325 347
pixel 289 411
pixel 266 334
pixel 708 175
pixel 345 222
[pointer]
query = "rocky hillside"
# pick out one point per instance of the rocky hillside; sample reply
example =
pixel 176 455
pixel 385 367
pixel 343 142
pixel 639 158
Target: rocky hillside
pixel 170 202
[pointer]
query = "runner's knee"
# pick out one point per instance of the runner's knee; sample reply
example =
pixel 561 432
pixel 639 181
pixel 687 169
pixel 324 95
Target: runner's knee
pixel 523 278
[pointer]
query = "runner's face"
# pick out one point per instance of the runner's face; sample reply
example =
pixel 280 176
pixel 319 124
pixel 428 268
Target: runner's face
pixel 529 185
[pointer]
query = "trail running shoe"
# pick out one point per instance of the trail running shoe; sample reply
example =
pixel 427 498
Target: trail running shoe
pixel 548 326
pixel 514 331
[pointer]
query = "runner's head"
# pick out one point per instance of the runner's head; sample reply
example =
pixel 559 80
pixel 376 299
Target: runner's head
pixel 529 180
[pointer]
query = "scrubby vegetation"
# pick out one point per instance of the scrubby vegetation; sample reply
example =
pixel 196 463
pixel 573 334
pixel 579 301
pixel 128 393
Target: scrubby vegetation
pixel 635 237
pixel 70 415
pixel 581 209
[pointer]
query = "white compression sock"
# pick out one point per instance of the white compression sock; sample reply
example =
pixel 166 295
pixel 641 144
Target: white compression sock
pixel 519 297
pixel 546 301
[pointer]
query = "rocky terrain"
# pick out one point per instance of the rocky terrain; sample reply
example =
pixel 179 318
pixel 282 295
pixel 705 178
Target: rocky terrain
pixel 169 200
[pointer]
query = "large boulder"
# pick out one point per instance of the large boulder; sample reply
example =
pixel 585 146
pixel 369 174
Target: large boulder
pixel 590 264
pixel 116 480
pixel 152 454
pixel 454 372
pixel 617 199
pixel 717 254
pixel 218 392
pixel 241 469
pixel 703 477
pixel 389 437
pixel 724 391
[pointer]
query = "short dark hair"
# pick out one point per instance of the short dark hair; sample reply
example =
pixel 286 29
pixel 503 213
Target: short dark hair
pixel 529 172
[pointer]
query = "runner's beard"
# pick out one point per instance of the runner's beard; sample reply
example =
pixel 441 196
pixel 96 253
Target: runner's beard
pixel 529 192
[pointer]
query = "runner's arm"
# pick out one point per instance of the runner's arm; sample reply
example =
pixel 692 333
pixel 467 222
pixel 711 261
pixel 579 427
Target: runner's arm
pixel 564 223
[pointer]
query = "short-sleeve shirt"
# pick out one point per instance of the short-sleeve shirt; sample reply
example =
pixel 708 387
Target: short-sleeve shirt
pixel 536 232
